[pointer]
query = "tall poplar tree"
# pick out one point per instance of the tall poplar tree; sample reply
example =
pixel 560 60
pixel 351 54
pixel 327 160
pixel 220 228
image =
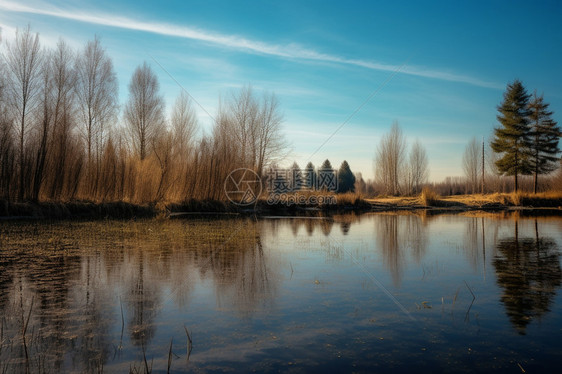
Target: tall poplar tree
pixel 144 112
pixel 24 61
pixel 511 139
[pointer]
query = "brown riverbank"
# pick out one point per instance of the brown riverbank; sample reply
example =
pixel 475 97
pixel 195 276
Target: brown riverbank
pixel 345 203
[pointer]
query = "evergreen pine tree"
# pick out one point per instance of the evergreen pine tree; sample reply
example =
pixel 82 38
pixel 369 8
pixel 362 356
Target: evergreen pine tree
pixel 346 179
pixel 309 175
pixel 543 144
pixel 511 139
pixel 296 176
pixel 326 165
pixel 326 177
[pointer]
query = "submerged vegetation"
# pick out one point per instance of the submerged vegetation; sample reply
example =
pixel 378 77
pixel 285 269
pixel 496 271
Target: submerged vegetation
pixel 60 311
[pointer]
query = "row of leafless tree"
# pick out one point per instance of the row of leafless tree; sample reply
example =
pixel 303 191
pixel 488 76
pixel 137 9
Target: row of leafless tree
pixel 481 174
pixel 398 172
pixel 63 135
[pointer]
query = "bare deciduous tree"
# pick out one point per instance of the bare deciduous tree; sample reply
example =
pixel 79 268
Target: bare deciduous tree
pixel 42 130
pixel 183 127
pixel 7 151
pixel 244 112
pixel 42 104
pixel 144 110
pixel 268 140
pixel 184 124
pixel 23 59
pixel 256 128
pixel 63 81
pixel 390 159
pixel 418 166
pixel 495 181
pixel 96 89
pixel 470 164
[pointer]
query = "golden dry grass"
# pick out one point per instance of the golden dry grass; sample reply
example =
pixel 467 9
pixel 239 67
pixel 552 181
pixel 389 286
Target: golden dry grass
pixel 429 197
pixel 544 199
pixel 552 199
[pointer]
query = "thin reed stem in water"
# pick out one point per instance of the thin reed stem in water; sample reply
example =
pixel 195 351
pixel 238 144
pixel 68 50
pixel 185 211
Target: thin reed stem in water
pixel 170 356
pixel 189 342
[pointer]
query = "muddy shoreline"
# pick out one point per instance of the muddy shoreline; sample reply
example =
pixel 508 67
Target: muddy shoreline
pixel 123 210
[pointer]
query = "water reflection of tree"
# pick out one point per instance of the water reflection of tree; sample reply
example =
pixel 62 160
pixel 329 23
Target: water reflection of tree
pixel 6 280
pixel 38 273
pixel 397 233
pixel 415 236
pixel 472 245
pixel 346 221
pixel 390 245
pixel 240 270
pixel 92 341
pixel 326 226
pixel 295 225
pixel 309 224
pixel 142 302
pixel 345 227
pixel 528 270
pixel 76 278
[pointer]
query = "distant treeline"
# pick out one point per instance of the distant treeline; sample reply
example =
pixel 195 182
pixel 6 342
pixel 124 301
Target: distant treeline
pixel 63 135
pixel 524 146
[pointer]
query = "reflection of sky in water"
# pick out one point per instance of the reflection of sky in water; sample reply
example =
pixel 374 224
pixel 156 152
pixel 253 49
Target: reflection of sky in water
pixel 285 294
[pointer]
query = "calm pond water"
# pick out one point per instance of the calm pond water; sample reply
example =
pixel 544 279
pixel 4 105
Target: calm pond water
pixel 377 292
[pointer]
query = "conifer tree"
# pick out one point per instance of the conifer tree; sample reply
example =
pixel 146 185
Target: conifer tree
pixel 511 139
pixel 296 177
pixel 346 179
pixel 309 176
pixel 326 177
pixel 544 136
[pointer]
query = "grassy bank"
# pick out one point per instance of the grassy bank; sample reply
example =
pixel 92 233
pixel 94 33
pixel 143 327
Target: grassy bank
pixel 496 201
pixel 328 203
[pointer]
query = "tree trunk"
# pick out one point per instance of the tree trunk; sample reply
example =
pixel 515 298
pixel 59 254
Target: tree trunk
pixel 21 189
pixel 483 170
pixel 516 166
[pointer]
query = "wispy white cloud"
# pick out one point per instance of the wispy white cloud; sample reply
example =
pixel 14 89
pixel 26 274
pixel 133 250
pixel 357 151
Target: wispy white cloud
pixel 288 51
pixel 6 32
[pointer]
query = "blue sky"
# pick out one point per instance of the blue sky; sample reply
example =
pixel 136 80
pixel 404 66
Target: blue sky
pixel 323 59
